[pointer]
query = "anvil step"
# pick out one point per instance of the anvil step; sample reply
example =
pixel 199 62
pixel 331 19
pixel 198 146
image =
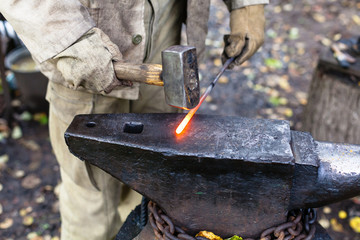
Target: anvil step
pixel 228 175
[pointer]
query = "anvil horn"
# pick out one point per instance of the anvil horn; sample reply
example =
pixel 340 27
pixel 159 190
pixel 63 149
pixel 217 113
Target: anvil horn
pixel 324 172
pixel 228 175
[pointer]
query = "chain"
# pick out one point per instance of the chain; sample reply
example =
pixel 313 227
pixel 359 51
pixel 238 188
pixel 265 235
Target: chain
pixel 300 226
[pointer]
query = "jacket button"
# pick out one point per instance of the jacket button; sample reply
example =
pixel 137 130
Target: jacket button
pixel 136 39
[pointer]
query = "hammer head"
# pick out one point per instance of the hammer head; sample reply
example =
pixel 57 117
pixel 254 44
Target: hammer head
pixel 180 76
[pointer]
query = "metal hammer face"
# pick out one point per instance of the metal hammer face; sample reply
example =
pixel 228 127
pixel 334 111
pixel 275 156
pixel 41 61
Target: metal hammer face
pixel 180 76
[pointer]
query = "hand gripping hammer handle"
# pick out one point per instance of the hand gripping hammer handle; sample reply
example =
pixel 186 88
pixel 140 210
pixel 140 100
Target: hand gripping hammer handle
pixel 144 73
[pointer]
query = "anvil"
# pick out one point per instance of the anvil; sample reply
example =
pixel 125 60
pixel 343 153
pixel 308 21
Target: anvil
pixel 228 175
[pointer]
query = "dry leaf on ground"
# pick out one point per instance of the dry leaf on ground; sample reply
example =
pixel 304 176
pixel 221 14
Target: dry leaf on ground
pixel 7 223
pixel 30 181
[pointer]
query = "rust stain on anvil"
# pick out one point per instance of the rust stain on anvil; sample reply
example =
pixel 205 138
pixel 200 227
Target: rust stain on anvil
pixel 228 175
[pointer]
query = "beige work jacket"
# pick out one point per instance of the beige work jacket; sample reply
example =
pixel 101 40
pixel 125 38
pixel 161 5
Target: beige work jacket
pixel 47 27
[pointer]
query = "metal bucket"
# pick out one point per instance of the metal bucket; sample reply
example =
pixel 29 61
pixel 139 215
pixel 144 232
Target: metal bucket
pixel 30 81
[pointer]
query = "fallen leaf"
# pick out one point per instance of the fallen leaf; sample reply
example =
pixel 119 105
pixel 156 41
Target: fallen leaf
pixel 7 223
pixel 355 224
pixel 337 37
pixel 336 226
pixel 223 80
pixel 326 42
pixel 57 189
pixel 30 181
pixel 19 174
pixel 319 17
pixel 34 236
pixel 16 133
pixel 276 101
pixel 30 144
pixel 22 212
pixel 271 33
pixel 2 137
pixel 273 63
pixel 26 116
pixel 25 211
pixel 283 83
pixel 294 33
pixel 263 69
pixel 42 118
pixel 16 103
pixel 40 199
pixel 288 112
pixel 28 220
pixel 277 9
pixel 327 210
pixel 45 226
pixel 342 214
pixel 217 62
pixel 48 188
pixel 324 223
pixel 47 237
pixel 4 159
pixel 235 238
pixel 286 58
pixel 302 98
pixel 288 7
pixel 356 19
pixel 208 235
pixel 279 40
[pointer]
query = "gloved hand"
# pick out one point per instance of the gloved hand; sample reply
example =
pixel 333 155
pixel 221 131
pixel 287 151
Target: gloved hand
pixel 89 63
pixel 247 26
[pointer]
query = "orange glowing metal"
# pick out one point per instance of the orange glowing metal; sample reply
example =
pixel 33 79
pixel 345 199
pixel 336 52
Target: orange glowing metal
pixel 190 114
pixel 187 119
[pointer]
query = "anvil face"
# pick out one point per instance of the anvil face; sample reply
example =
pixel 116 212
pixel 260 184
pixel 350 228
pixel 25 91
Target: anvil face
pixel 228 175
pixel 221 169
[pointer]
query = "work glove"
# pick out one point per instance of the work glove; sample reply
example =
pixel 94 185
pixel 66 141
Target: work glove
pixel 247 27
pixel 89 63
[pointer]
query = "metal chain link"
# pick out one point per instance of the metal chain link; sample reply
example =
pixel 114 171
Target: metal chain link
pixel 300 226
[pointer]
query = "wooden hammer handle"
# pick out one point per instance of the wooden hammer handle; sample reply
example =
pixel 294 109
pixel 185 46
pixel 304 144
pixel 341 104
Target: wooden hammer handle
pixel 144 73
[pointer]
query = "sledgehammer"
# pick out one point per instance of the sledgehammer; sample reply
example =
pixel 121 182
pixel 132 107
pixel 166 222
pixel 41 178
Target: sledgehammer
pixel 178 74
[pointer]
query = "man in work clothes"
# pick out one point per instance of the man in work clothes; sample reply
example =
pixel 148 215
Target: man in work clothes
pixel 75 43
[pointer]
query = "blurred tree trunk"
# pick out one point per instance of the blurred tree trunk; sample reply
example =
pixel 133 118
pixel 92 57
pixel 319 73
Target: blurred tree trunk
pixel 333 109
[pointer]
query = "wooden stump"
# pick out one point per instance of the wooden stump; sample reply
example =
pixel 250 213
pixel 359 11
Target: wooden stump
pixel 333 109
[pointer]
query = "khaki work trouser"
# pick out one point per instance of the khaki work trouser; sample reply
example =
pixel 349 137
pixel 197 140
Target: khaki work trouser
pixel 89 197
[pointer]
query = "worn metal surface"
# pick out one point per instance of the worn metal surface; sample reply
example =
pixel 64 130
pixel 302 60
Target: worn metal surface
pixel 181 77
pixel 324 172
pixel 229 175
